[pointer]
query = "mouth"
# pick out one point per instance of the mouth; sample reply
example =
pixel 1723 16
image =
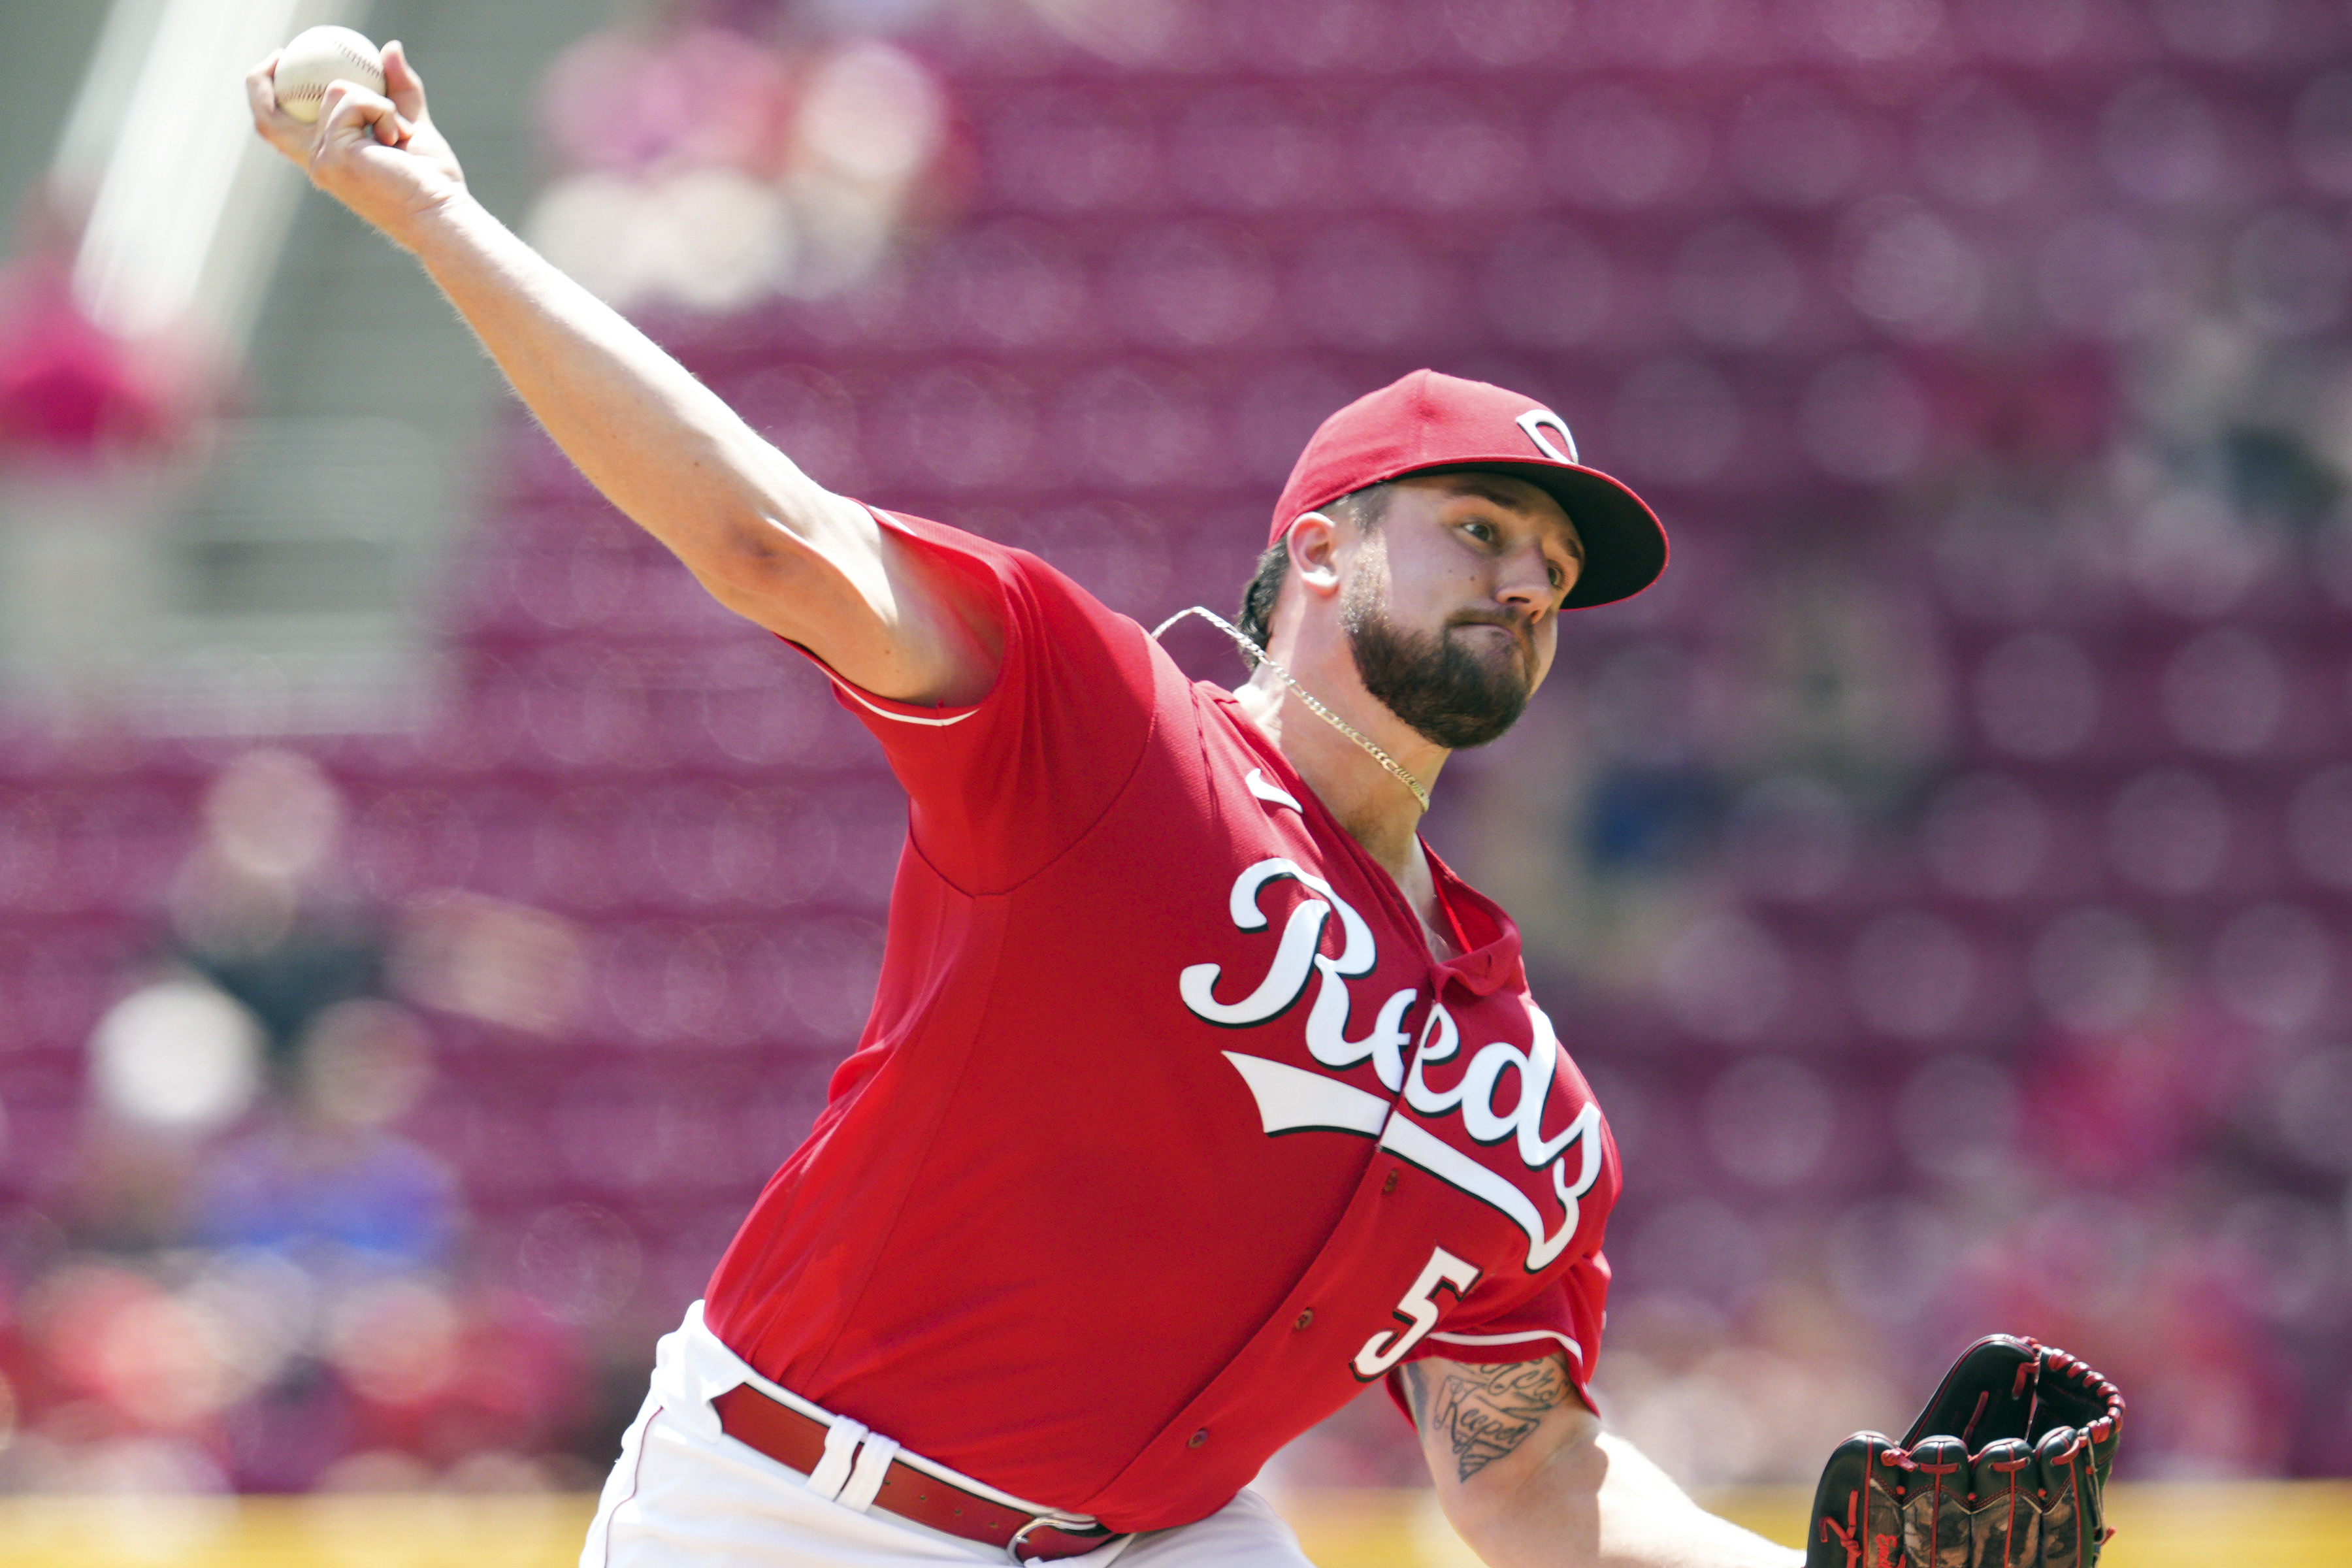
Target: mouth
pixel 1518 638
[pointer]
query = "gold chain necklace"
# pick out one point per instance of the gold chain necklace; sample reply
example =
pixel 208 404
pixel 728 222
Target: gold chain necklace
pixel 1242 638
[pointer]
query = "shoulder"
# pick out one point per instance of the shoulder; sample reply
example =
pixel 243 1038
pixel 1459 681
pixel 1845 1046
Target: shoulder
pixel 1039 625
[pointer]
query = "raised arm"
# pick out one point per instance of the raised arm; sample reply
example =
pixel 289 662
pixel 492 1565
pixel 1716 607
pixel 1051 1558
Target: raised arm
pixel 1530 1480
pixel 767 542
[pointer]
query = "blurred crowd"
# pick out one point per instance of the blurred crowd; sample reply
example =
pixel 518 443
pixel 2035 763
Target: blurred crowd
pixel 700 167
pixel 1943 875
pixel 242 1272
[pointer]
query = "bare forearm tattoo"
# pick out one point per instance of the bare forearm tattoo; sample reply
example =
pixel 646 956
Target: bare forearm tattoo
pixel 1484 1412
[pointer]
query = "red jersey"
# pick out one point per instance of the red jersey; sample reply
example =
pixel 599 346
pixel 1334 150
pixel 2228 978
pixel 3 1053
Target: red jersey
pixel 1167 1133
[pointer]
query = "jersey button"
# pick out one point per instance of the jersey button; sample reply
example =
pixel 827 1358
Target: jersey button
pixel 1389 1185
pixel 1197 1438
pixel 1304 1319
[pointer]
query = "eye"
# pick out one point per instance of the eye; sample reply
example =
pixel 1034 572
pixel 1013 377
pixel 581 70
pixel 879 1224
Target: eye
pixel 1479 529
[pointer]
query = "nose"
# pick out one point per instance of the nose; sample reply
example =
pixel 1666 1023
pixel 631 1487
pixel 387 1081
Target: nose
pixel 1524 581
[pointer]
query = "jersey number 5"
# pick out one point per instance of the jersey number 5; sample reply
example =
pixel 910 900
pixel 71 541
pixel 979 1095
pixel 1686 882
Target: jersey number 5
pixel 1417 1311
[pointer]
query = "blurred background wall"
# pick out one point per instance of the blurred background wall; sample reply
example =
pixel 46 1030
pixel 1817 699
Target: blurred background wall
pixel 424 921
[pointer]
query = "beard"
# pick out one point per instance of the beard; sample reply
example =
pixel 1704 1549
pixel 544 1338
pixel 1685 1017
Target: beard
pixel 1448 695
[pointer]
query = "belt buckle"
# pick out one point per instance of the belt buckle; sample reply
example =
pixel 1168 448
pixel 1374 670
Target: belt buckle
pixel 1064 1522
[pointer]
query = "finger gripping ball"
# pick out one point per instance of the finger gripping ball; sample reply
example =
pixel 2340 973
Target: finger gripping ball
pixel 318 56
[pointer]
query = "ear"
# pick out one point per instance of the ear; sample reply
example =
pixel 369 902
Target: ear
pixel 1314 544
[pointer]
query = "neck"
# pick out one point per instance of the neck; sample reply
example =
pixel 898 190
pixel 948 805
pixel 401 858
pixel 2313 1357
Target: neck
pixel 1371 803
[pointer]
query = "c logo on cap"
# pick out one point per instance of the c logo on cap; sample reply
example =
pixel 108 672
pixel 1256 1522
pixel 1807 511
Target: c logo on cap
pixel 1534 422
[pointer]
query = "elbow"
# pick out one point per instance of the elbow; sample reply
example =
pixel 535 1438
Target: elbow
pixel 769 573
pixel 752 548
pixel 1540 1507
pixel 767 555
pixel 1547 1536
pixel 747 564
pixel 1482 1527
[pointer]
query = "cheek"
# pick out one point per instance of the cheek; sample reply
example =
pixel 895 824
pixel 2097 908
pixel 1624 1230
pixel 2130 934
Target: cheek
pixel 1547 641
pixel 1425 599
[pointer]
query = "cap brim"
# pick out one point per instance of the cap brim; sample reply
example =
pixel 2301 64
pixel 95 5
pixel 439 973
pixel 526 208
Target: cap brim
pixel 1624 543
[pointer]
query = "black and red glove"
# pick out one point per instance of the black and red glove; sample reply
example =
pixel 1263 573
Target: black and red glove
pixel 2006 1467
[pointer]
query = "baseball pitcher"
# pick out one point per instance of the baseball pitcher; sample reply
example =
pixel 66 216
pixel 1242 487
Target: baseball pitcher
pixel 1197 1093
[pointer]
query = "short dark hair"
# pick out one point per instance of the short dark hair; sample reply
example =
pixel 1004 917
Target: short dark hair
pixel 1364 508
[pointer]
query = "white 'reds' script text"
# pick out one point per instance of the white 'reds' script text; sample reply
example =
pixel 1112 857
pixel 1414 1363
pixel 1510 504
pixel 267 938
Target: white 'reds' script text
pixel 1291 1099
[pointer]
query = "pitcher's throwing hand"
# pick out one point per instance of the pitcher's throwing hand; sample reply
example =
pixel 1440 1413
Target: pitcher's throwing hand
pixel 379 153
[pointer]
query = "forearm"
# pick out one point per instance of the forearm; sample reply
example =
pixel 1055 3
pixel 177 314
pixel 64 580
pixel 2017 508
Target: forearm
pixel 661 445
pixel 1646 1518
pixel 1530 1480
pixel 1602 1504
pixel 767 542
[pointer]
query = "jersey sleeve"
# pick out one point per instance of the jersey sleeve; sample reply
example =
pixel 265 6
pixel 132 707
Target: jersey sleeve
pixel 998 789
pixel 1563 1316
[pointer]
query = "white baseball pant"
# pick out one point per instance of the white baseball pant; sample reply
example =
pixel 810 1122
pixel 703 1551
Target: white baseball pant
pixel 686 1495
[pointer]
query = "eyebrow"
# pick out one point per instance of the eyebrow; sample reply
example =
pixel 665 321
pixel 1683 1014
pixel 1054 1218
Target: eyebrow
pixel 1488 490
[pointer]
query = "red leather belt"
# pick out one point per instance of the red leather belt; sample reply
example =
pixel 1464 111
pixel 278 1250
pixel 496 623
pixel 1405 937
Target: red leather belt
pixel 795 1440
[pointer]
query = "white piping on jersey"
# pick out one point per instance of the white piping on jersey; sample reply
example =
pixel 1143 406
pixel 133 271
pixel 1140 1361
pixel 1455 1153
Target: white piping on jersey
pixel 1574 1349
pixel 1293 1100
pixel 1415 1143
pixel 1266 790
pixel 882 520
pixel 864 702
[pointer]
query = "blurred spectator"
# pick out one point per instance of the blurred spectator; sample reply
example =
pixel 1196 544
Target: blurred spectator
pixel 323 1179
pixel 707 169
pixel 69 390
pixel 262 906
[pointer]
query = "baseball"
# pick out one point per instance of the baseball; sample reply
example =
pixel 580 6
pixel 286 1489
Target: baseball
pixel 318 56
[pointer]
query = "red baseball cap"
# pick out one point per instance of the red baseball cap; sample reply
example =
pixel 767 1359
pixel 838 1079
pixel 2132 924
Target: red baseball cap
pixel 1427 421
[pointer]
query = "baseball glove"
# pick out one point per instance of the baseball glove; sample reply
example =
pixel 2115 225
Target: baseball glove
pixel 2006 1467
